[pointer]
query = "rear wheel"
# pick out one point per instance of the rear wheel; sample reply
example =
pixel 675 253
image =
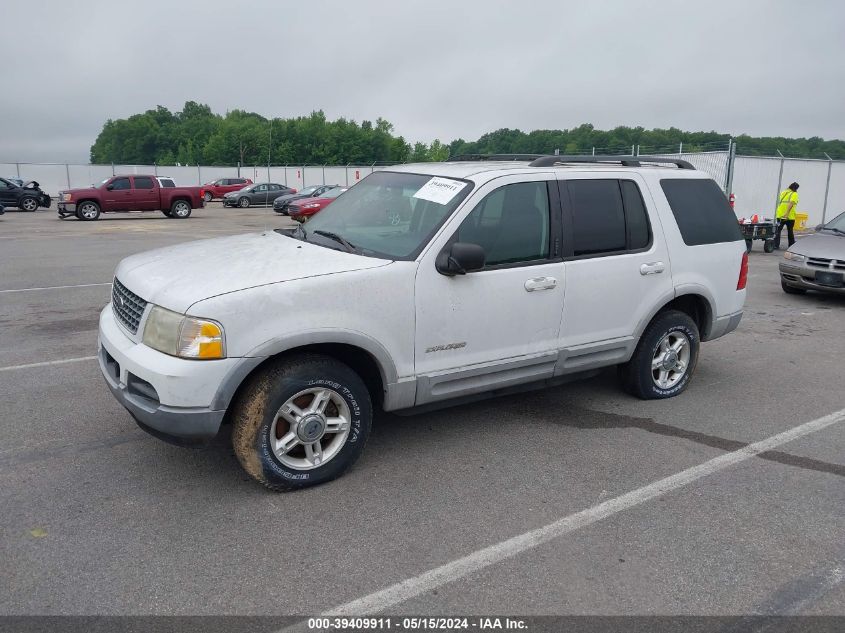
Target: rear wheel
pixel 88 210
pixel 790 290
pixel 301 422
pixel 665 358
pixel 243 202
pixel 180 209
pixel 769 246
pixel 28 203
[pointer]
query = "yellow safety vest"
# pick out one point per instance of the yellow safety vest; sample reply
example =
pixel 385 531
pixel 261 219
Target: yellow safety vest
pixel 787 196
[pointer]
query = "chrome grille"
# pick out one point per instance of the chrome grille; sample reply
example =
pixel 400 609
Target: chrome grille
pixel 822 262
pixel 127 306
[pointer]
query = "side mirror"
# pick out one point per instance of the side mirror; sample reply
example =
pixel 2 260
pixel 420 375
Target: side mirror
pixel 110 187
pixel 459 259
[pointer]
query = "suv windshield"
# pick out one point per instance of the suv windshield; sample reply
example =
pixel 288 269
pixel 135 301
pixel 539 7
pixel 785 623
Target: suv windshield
pixel 391 214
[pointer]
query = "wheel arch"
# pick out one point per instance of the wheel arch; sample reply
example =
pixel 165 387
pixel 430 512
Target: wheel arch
pixel 361 354
pixel 692 302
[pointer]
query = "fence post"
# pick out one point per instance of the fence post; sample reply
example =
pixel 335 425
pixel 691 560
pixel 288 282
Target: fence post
pixel 286 174
pixel 729 171
pixel 680 149
pixel 594 151
pixel 67 173
pixel 632 150
pixel 112 168
pixel 199 175
pixel 324 174
pixel 347 174
pixel 780 180
pixel 239 170
pixel 18 169
pixel 826 187
pixel 155 169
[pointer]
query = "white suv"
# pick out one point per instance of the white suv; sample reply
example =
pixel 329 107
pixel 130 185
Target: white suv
pixel 424 284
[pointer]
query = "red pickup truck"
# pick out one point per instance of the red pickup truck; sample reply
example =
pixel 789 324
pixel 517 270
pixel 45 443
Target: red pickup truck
pixel 131 193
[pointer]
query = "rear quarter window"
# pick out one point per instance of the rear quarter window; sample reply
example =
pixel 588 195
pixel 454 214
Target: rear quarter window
pixel 166 183
pixel 701 211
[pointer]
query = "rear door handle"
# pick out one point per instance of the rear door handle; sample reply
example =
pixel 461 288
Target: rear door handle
pixel 540 283
pixel 652 268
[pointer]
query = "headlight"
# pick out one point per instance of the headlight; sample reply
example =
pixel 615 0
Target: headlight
pixel 66 197
pixel 183 336
pixel 795 257
pixel 311 206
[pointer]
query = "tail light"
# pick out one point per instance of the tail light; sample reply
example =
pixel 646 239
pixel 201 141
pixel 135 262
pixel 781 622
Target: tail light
pixel 743 273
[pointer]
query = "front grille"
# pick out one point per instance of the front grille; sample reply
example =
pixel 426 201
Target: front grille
pixel 822 262
pixel 128 307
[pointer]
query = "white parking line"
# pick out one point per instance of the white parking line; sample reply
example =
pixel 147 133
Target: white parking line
pixel 55 287
pixel 480 559
pixel 48 363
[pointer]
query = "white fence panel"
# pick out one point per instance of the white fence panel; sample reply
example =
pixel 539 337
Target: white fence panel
pixel 812 176
pixel 836 195
pixel 335 176
pixel 755 184
pixel 87 175
pixel 52 178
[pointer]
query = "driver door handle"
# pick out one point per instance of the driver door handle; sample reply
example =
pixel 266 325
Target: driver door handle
pixel 540 283
pixel 652 268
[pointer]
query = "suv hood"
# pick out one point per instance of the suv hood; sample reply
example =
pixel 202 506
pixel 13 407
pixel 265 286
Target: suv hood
pixel 176 277
pixel 825 244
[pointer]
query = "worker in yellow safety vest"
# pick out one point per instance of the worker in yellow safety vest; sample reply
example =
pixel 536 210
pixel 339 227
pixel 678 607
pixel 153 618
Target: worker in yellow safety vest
pixel 787 206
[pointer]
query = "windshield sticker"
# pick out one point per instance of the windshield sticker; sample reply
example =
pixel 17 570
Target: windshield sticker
pixel 440 190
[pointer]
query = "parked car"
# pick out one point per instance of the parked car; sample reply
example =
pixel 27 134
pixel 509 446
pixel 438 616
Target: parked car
pixel 262 194
pixel 131 193
pixel 27 197
pixel 222 186
pixel 280 204
pixel 395 316
pixel 816 261
pixel 305 208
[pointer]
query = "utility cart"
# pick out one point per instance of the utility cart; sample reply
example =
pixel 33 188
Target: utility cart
pixel 764 230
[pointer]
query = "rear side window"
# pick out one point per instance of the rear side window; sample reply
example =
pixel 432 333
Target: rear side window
pixel 701 211
pixel 143 182
pixel 636 220
pixel 598 219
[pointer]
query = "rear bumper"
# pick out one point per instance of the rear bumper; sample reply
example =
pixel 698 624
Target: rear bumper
pixel 724 325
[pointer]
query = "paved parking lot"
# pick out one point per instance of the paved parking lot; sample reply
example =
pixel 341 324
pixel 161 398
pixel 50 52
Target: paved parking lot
pixel 100 518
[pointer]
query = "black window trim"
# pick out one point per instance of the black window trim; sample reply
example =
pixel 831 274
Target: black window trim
pixel 568 222
pixel 555 245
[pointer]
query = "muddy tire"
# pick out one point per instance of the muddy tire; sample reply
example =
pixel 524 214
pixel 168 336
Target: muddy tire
pixel 665 358
pixel 300 422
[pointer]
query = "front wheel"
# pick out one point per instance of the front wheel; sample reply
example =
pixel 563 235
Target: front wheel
pixel 180 210
pixel 243 202
pixel 790 290
pixel 207 196
pixel 88 210
pixel 665 358
pixel 29 203
pixel 769 246
pixel 300 422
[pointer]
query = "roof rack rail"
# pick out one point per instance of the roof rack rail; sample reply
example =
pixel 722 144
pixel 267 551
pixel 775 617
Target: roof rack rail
pixel 492 157
pixel 625 161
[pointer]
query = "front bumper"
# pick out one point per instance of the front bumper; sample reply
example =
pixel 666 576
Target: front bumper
pixel 175 399
pixel 804 277
pixel 67 208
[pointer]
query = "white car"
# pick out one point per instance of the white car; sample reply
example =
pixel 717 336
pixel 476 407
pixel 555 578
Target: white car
pixel 424 284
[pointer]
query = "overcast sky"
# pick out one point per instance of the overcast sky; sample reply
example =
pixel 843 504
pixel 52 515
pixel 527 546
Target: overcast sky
pixel 434 68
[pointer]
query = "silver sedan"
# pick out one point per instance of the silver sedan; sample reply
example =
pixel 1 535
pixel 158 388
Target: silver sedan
pixel 816 262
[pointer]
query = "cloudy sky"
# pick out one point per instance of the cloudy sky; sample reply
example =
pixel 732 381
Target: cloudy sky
pixel 434 68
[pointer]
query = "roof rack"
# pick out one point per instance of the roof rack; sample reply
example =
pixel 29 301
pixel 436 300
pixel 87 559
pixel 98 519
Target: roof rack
pixel 544 160
pixel 625 161
pixel 462 158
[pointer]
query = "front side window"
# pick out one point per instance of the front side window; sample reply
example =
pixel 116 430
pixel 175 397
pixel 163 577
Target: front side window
pixel 119 184
pixel 143 182
pixel 511 224
pixel 4 184
pixel 391 215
